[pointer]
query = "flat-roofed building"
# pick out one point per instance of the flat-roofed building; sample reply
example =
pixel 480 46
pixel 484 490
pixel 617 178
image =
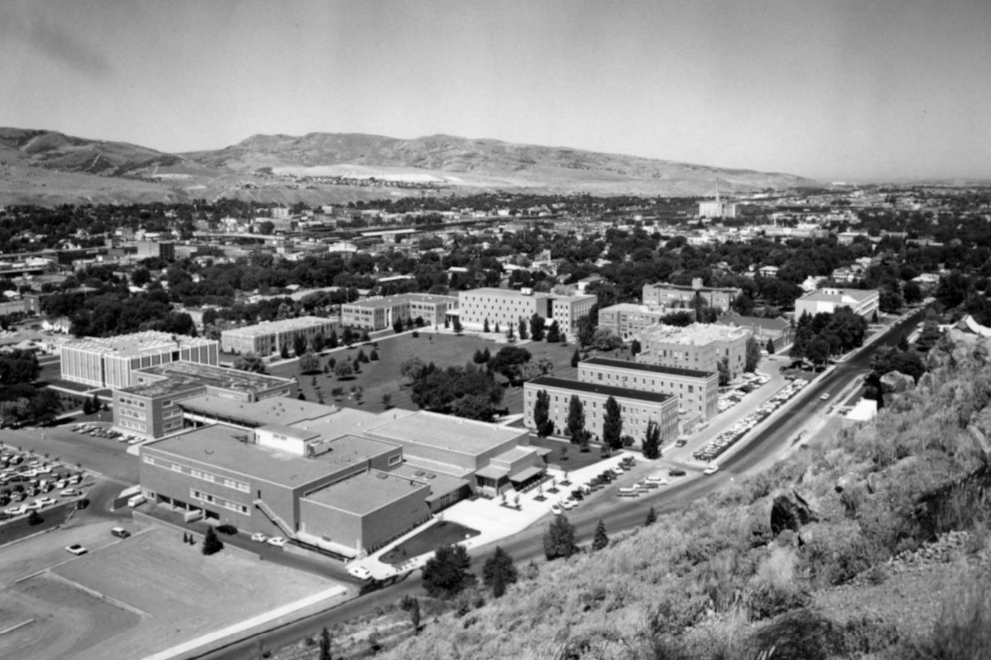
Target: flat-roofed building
pixel 638 408
pixel 269 337
pixel 628 320
pixel 381 312
pixel 663 294
pixel 164 250
pixel 700 346
pixel 778 330
pixel 697 391
pixel 110 362
pixel 864 302
pixel 508 306
pixel 149 408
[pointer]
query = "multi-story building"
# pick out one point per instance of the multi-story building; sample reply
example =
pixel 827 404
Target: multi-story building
pixel 508 306
pixel 678 295
pixel 269 337
pixel 149 408
pixel 864 302
pixel 778 330
pixel 110 362
pixel 628 320
pixel 380 313
pixel 697 391
pixel 638 408
pixel 164 250
pixel 699 346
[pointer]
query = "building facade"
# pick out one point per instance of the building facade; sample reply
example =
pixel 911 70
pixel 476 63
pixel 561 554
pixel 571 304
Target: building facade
pixel 380 313
pixel 677 295
pixel 109 362
pixel 627 320
pixel 697 391
pixel 864 302
pixel 269 338
pixel 699 347
pixel 638 408
pixel 508 306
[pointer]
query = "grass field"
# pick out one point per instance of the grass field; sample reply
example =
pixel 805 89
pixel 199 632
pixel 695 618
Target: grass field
pixel 572 458
pixel 382 376
pixel 183 593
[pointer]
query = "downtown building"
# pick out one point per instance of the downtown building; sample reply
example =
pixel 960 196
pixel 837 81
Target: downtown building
pixel 380 313
pixel 637 407
pixel 700 347
pixel 269 337
pixel 110 362
pixel 508 306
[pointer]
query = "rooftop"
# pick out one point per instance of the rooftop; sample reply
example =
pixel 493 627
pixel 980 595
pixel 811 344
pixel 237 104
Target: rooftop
pixel 205 374
pixel 389 301
pixel 274 410
pixel 440 483
pixel 694 334
pixel 456 434
pixel 284 325
pixel 639 366
pixel 504 293
pixel 837 295
pixel 342 421
pixel 595 388
pixel 366 492
pixel 149 342
pixel 689 287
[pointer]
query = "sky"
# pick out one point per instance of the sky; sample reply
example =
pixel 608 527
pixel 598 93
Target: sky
pixel 829 89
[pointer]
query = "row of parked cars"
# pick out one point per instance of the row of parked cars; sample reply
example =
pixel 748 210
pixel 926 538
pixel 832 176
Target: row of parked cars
pixel 26 481
pixel 104 432
pixel 601 480
pixel 725 440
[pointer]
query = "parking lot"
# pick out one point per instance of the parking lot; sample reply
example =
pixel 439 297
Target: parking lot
pixel 35 484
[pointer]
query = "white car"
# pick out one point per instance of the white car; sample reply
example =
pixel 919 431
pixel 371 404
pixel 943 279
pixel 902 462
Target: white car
pixel 556 510
pixel 33 506
pixel 47 501
pixel 277 541
pixel 569 504
pixel 825 396
pixel 76 549
pixel 15 511
pixel 359 572
pixel 712 469
pixel 69 492
pixel 258 537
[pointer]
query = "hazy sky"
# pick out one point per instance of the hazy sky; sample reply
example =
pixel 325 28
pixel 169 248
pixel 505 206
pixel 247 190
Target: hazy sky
pixel 832 89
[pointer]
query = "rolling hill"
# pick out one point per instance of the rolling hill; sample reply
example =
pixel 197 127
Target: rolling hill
pixel 49 167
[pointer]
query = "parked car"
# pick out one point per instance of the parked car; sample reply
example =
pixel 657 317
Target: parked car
pixel 359 572
pixel 47 501
pixel 712 469
pixel 676 472
pixel 227 529
pixel 258 537
pixel 83 503
pixel 69 492
pixel 277 541
pixel 556 510
pixel 76 549
pixel 120 532
pixel 825 396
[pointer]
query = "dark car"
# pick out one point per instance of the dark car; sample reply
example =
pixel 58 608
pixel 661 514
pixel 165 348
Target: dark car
pixel 230 530
pixel 676 472
pixel 577 495
pixel 83 503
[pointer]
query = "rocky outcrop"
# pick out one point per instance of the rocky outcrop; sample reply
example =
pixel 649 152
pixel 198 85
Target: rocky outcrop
pixel 895 382
pixel 790 511
pixel 959 349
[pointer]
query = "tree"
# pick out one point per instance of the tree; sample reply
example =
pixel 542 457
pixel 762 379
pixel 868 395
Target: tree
pixel 541 414
pixel 554 333
pixel 523 330
pixel 473 406
pixel 18 367
pixel 635 348
pixel 912 292
pixel 576 419
pixel 412 368
pixel 411 605
pixel 509 362
pixel 485 326
pixel 499 572
pixel 284 352
pixel 397 326
pixel 374 355
pixel 458 329
pixel 652 441
pixel 347 336
pixel 361 356
pixel 576 357
pixel 752 355
pixel 770 346
pixel 332 340
pixel 586 331
pixel 902 344
pixel 343 370
pixel 325 644
pixel 317 342
pixel 387 400
pixel 211 544
pixel 536 327
pixel 651 517
pixel 250 362
pixel 724 373
pixel 299 344
pixel 929 335
pixel 510 333
pixel 446 574
pixel 364 335
pixel 612 424
pixel 477 358
pixel 559 540
pixel 309 363
pixel 600 540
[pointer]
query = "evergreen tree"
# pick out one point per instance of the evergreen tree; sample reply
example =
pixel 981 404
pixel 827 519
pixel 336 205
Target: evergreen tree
pixel 347 336
pixel 576 419
pixel 537 332
pixel 299 345
pixel 499 572
pixel 397 326
pixel 600 540
pixel 411 605
pixel 510 333
pixel 284 352
pixel 576 357
pixel 541 414
pixel 332 340
pixel 554 333
pixel 365 336
pixel 651 518
pixel 362 357
pixel 559 540
pixel 770 346
pixel 652 441
pixel 612 424
pixel 301 396
pixel 902 343
pixel 374 355
pixel 752 358
pixel 317 342
pixel 497 330
pixel 457 325
pixel 487 355
pixel 446 574
pixel 325 644
pixel 485 326
pixel 722 367
pixel 635 348
pixel 212 544
pixel 523 329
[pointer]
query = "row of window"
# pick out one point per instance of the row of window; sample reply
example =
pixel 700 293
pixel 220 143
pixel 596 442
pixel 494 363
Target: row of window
pixel 127 412
pixel 219 501
pixel 137 426
pixel 197 473
pixel 128 401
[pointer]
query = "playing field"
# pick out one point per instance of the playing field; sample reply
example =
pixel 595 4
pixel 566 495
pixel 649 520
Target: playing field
pixel 143 595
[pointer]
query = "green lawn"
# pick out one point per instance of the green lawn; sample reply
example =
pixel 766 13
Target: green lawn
pixel 572 458
pixel 443 533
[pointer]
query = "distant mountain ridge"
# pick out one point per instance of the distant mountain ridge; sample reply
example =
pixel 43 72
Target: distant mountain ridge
pixel 48 166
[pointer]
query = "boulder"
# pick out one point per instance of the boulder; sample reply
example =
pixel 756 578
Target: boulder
pixel 959 349
pixel 845 482
pixel 790 511
pixel 895 382
pixel 872 482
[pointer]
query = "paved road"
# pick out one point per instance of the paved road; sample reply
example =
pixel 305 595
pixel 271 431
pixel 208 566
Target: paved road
pixel 620 514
